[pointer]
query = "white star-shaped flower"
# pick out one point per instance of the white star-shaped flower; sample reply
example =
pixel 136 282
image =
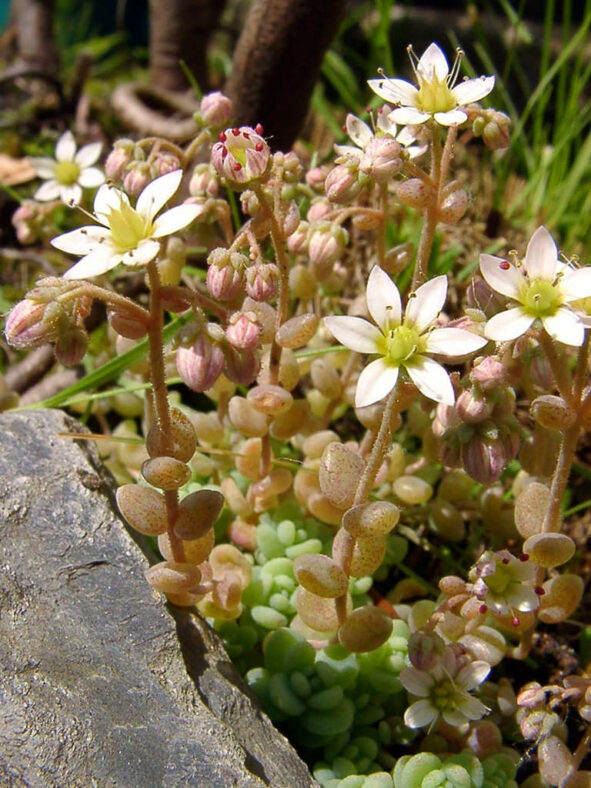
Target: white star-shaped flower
pixel 125 234
pixel 437 96
pixel 403 342
pixel 361 134
pixel 70 171
pixel 540 289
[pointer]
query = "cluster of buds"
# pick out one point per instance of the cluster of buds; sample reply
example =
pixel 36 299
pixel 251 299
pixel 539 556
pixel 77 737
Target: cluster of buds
pixel 127 165
pixel 480 432
pixel 493 126
pixel 43 318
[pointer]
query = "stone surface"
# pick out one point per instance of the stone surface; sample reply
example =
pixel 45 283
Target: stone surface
pixel 95 687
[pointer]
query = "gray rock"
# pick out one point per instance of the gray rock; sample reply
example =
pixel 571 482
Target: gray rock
pixel 100 683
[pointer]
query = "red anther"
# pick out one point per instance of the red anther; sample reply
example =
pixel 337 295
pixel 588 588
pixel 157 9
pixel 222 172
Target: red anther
pixel 482 609
pixel 515 621
pixel 224 153
pixel 222 137
pixel 505 560
pixel 237 166
pixel 236 132
pixel 539 590
pixel 524 557
pixel 259 146
pixel 258 128
pixel 343 127
pixel 504 266
pixel 246 135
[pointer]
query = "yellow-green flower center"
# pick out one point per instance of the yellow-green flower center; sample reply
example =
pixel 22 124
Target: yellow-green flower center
pixel 401 344
pixel 435 96
pixel 66 172
pixel 500 580
pixel 128 227
pixel 443 695
pixel 541 298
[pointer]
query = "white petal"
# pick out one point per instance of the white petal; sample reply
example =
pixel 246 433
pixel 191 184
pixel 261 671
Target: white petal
pixel 471 676
pixel 383 299
pixel 88 154
pixel 348 150
pixel 565 326
pixel 433 63
pixel 395 91
pixel 473 89
pixel 50 190
pixel 524 599
pixel 66 147
pixel 375 382
pixel 420 714
pixel 358 131
pixel 426 303
pixel 91 177
pixel 157 193
pixel 145 251
pixel 472 708
pixel 94 264
pixel 108 198
pixel 81 241
pixel 453 341
pixel 576 284
pixel 43 166
pixel 452 118
pixel 409 116
pixel 454 717
pixel 355 333
pixel 507 281
pixel 541 256
pixel 508 325
pixel 174 220
pixel 431 379
pixel 416 681
pixel 70 195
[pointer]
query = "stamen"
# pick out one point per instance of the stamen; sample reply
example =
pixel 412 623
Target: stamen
pixel 414 60
pixel 453 75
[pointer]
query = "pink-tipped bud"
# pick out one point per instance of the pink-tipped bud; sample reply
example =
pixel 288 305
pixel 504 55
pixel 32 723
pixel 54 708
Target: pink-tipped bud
pixel 488 374
pixel 484 459
pixel 201 364
pixel 118 159
pixel 241 156
pixel 26 328
pixel 125 323
pixel 316 177
pixel 298 240
pixel 242 366
pixel 204 181
pixel 472 407
pixel 164 163
pixel 137 178
pixel 319 209
pixel 243 331
pixel 381 159
pixel 343 184
pixel 326 243
pixel 215 109
pixel 262 281
pixel 225 275
pixel 70 347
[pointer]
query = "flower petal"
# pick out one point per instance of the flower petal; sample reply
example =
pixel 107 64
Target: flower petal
pixel 107 199
pixel 66 147
pixel 50 190
pixel 145 251
pixel 433 63
pixel 91 177
pixel 541 256
pixel 426 303
pixel 472 675
pixel 174 220
pixel 383 299
pixel 82 241
pixel 395 91
pixel 358 131
pixel 88 154
pixel 451 118
pixel 418 682
pixel 473 89
pixel 524 599
pixel 565 326
pixel 420 714
pixel 409 116
pixel 158 193
pixel 355 333
pixel 507 325
pixel 472 708
pixel 509 281
pixel 94 264
pixel 453 341
pixel 43 166
pixel 431 379
pixel 70 195
pixel 575 284
pixel 375 382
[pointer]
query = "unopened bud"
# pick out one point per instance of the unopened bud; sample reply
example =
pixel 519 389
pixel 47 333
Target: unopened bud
pixel 472 407
pixel 25 328
pixel 381 159
pixel 225 274
pixel 319 209
pixel 488 374
pixel 342 184
pixel 215 109
pixel 204 181
pixel 71 346
pixel 298 240
pixel 243 331
pixel 164 163
pixel 200 365
pixel 241 366
pixel 326 243
pixel 137 178
pixel 118 159
pixel 262 281
pixel 484 459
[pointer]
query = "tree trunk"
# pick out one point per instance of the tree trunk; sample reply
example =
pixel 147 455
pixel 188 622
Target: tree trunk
pixel 34 31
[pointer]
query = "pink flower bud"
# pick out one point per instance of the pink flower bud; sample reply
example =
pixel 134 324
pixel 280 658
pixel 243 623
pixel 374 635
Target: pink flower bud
pixel 25 327
pixel 381 159
pixel 318 210
pixel 27 220
pixel 242 366
pixel 225 275
pixel 472 407
pixel 291 219
pixel 118 159
pixel 243 331
pixel 241 156
pixel 316 177
pixel 164 163
pixel 137 178
pixel 342 184
pixel 489 374
pixel 298 240
pixel 125 323
pixel 201 364
pixel 262 281
pixel 326 243
pixel 216 109
pixel 484 459
pixel 204 181
pixel 71 345
pixel 425 650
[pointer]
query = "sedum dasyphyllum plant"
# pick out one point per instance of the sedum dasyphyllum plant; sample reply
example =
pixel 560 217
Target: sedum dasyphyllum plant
pixel 361 433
